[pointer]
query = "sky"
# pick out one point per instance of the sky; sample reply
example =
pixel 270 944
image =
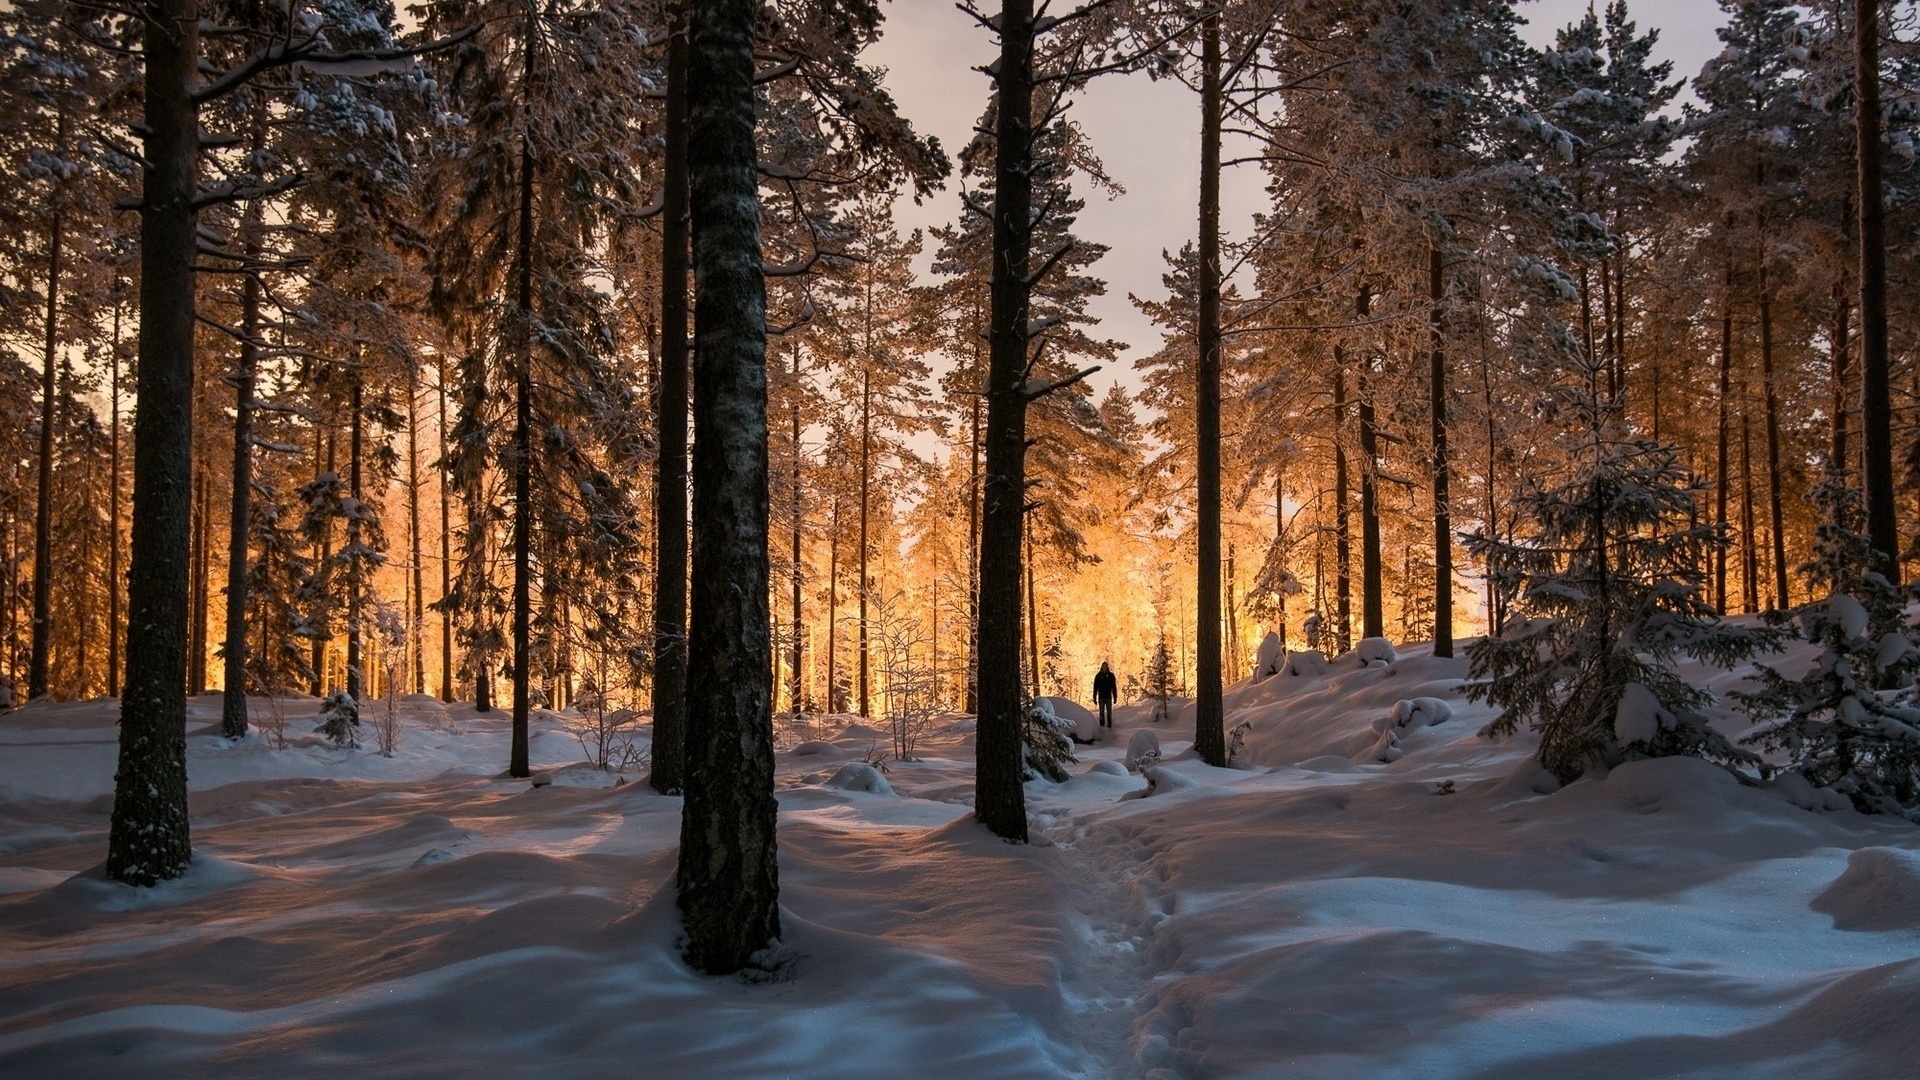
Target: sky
pixel 1147 133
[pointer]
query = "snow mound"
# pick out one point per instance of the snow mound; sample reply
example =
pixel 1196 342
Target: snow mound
pixel 1143 750
pixel 1306 663
pixel 1161 780
pixel 1421 712
pixel 1801 792
pixel 1879 890
pixel 1086 725
pixel 1375 650
pixel 860 776
pixel 1385 746
pixel 813 747
pixel 1640 716
pixel 1270 658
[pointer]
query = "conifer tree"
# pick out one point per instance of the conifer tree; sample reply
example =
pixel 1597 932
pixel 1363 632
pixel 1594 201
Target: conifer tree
pixel 1609 595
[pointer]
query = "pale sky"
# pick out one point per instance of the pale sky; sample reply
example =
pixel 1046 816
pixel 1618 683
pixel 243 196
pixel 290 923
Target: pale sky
pixel 1148 134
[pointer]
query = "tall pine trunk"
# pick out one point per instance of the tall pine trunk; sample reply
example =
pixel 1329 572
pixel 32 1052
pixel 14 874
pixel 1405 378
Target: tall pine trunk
pixel 1876 417
pixel 355 562
pixel 1749 532
pixel 148 839
pixel 1000 801
pixel 114 584
pixel 1372 621
pixel 417 613
pixel 866 494
pixel 1723 435
pixel 1770 399
pixel 1343 511
pixel 793 421
pixel 728 875
pixel 233 697
pixel 446 548
pixel 1442 508
pixel 201 560
pixel 523 422
pixel 670 478
pixel 1209 733
pixel 40 643
pixel 970 702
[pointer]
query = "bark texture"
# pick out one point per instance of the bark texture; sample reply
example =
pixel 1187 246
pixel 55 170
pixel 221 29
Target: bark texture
pixel 729 879
pixel 999 798
pixel 1209 733
pixel 670 482
pixel 148 840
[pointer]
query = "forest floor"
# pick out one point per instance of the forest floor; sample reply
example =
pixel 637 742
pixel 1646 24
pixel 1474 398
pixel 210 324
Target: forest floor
pixel 1313 911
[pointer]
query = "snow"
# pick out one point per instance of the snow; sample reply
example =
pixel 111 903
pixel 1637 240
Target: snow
pixel 1374 650
pixel 1308 912
pixel 1086 723
pixel 1270 658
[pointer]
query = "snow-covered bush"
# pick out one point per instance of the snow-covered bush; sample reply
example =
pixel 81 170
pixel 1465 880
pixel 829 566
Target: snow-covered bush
pixel 1850 723
pixel 1143 750
pixel 1375 650
pixel 340 720
pixel 1269 658
pixel 1605 567
pixel 1420 712
pixel 1307 662
pixel 1046 743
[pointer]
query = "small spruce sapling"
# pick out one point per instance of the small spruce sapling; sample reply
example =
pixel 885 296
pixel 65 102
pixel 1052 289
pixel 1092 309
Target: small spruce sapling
pixel 1850 723
pixel 1605 566
pixel 1160 686
pixel 1046 743
pixel 340 720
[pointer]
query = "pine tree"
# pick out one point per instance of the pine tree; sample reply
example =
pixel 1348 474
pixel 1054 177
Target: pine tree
pixel 1835 724
pixel 1609 594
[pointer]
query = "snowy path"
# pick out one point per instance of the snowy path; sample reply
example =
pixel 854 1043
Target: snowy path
pixel 1116 898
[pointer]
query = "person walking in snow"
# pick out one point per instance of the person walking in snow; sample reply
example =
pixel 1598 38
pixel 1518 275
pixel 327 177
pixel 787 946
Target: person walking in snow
pixel 1105 689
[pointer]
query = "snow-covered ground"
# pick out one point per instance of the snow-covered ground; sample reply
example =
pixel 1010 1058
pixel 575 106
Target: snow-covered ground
pixel 1312 912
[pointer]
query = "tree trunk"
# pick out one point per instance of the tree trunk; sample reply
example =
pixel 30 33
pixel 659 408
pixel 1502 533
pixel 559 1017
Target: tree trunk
pixel 729 879
pixel 1209 733
pixel 1372 621
pixel 322 563
pixel 971 695
pixel 1876 417
pixel 1032 609
pixel 114 584
pixel 233 697
pixel 355 562
pixel 866 494
pixel 1837 360
pixel 1749 534
pixel 41 640
pixel 1722 477
pixel 670 478
pixel 523 423
pixel 446 550
pixel 1442 506
pixel 1343 519
pixel 1775 514
pixel 1000 801
pixel 793 419
pixel 833 604
pixel 202 562
pixel 417 614
pixel 148 839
